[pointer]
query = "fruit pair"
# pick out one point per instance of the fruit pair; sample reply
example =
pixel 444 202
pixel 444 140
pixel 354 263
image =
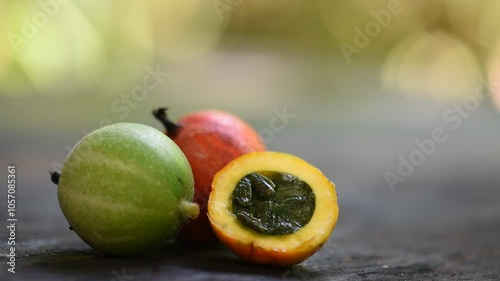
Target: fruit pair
pixel 267 207
pixel 210 140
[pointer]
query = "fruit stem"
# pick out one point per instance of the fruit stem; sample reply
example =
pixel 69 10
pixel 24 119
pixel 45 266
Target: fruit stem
pixel 54 177
pixel 189 209
pixel 161 115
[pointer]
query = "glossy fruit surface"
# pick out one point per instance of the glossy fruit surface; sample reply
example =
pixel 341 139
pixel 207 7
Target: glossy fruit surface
pixel 261 238
pixel 210 140
pixel 126 189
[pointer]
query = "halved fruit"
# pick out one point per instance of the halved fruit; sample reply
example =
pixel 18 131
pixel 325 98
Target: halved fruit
pixel 272 208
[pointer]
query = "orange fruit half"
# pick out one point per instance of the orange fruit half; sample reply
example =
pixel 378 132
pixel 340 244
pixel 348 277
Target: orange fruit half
pixel 259 234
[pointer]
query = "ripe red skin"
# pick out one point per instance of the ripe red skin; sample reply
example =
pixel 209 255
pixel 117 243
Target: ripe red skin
pixel 210 140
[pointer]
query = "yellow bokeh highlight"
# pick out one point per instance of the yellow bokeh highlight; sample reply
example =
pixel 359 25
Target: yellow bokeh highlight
pixel 185 29
pixel 431 65
pixel 51 43
pixel 476 20
pixel 382 22
pixel 126 28
pixel 88 48
pixel 489 24
pixel 60 46
pixel 4 56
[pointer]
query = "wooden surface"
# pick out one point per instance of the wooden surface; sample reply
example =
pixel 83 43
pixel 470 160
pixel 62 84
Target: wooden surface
pixel 442 223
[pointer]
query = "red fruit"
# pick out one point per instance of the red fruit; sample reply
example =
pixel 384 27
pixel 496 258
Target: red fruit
pixel 210 140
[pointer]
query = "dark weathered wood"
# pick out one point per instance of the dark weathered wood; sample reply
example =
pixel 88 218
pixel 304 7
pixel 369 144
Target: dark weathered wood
pixel 442 223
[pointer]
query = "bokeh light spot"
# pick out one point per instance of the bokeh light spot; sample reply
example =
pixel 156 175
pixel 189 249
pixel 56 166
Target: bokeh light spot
pixel 431 65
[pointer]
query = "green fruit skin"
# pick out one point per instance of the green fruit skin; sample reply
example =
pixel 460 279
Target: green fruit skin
pixel 122 186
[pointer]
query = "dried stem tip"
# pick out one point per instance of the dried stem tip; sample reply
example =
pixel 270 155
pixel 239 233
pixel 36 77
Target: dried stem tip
pixel 161 115
pixel 54 177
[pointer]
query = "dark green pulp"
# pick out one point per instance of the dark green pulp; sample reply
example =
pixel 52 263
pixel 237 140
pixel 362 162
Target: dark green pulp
pixel 276 204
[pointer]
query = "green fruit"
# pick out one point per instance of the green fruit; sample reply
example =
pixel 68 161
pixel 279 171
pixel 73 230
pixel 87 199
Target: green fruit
pixel 126 189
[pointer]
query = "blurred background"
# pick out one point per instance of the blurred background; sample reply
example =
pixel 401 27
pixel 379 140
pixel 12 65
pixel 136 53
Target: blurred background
pixel 356 84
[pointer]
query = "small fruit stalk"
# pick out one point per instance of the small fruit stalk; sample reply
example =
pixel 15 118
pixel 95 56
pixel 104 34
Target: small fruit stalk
pixel 126 189
pixel 210 140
